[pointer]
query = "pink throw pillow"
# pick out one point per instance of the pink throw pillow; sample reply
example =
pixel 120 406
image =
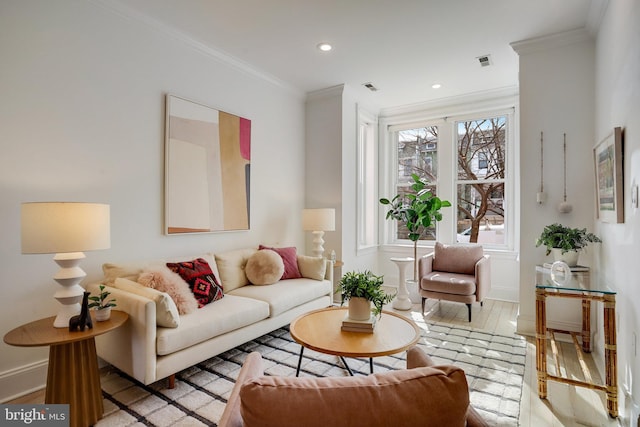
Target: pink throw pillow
pixel 164 280
pixel 290 259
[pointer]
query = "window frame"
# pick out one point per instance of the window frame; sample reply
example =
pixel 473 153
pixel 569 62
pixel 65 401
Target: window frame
pixel 447 180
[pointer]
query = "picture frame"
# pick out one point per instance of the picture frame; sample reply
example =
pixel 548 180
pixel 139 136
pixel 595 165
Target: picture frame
pixel 608 156
pixel 207 169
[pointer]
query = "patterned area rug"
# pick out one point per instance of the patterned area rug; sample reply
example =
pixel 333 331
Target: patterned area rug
pixel 494 366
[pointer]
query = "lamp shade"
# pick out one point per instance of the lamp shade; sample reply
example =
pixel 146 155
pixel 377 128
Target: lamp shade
pixel 319 219
pixel 60 227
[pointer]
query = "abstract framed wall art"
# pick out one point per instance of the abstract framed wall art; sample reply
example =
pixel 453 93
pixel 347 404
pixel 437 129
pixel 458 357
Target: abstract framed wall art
pixel 607 156
pixel 207 169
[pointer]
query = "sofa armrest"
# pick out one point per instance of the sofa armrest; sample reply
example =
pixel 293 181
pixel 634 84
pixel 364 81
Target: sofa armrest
pixel 132 347
pixel 251 368
pixel 483 277
pixel 328 272
pixel 425 266
pixel 416 358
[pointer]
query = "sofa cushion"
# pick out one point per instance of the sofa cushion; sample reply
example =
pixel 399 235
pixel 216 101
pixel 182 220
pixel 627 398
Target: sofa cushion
pixel 449 283
pixel 200 278
pixel 430 396
pixel 164 280
pixel 312 267
pixel 286 294
pixel 231 267
pixel 290 260
pixel 131 270
pixel 217 318
pixel 457 258
pixel 166 310
pixel 264 268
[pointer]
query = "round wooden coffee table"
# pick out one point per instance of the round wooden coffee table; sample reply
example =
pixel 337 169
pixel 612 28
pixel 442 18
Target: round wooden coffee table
pixel 319 330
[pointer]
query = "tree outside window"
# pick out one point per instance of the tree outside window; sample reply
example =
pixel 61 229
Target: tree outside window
pixel 481 179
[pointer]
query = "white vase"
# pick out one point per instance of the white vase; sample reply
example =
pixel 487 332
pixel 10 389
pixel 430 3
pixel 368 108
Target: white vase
pixel 103 315
pixel 359 308
pixel 570 257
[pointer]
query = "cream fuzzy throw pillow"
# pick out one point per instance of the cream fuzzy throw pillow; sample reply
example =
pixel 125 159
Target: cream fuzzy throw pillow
pixel 265 267
pixel 164 280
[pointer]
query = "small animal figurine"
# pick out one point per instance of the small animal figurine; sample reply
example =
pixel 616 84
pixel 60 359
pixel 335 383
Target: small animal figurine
pixel 82 320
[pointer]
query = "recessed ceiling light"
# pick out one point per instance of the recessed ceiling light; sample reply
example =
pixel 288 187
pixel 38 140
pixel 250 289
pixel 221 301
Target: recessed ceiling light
pixel 325 47
pixel 436 86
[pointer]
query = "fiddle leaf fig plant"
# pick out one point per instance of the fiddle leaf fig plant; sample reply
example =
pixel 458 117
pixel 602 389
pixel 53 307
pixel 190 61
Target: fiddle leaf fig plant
pixel 418 210
pixel 558 236
pixel 364 285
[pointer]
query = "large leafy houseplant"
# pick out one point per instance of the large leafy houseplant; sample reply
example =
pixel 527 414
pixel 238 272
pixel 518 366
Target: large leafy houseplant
pixel 418 210
pixel 364 285
pixel 558 236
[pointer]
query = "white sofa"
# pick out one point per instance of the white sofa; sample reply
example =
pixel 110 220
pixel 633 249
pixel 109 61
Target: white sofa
pixel 148 352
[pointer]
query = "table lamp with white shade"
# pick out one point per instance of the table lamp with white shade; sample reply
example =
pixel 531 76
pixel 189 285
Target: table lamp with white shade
pixel 66 229
pixel 318 221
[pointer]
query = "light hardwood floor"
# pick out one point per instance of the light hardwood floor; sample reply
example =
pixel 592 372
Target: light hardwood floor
pixel 566 405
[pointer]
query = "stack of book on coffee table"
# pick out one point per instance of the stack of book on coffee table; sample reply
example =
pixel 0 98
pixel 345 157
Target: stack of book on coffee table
pixel 351 325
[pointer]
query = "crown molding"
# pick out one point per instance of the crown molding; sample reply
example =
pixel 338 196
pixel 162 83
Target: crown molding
pixel 551 41
pixel 124 11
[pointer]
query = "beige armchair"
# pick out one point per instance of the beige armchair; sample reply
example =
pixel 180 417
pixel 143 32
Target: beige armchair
pixel 459 273
pixel 422 394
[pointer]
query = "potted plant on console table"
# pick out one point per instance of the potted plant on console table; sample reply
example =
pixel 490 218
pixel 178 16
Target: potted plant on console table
pixel 362 289
pixel 565 243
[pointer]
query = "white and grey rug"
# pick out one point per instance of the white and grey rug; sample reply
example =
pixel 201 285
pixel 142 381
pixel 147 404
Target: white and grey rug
pixel 494 366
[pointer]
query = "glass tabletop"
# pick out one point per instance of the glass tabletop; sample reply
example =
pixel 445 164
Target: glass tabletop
pixel 578 281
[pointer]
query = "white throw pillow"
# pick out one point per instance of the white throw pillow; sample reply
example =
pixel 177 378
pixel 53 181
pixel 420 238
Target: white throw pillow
pixel 312 267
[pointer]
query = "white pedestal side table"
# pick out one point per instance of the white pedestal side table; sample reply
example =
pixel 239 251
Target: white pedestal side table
pixel 402 301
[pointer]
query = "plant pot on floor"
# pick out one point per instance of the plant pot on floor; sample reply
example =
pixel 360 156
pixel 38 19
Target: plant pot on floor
pixel 103 314
pixel 359 308
pixel 570 257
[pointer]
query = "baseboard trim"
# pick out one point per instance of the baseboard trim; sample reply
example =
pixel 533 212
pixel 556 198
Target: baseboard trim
pixel 21 381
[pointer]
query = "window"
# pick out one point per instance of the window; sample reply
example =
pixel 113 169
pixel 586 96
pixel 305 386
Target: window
pixel 468 159
pixel 481 165
pixel 417 154
pixel 366 177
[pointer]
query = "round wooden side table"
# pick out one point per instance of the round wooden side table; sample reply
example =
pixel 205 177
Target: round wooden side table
pixel 72 377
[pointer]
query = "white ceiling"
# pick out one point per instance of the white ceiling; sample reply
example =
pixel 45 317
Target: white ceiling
pixel 401 46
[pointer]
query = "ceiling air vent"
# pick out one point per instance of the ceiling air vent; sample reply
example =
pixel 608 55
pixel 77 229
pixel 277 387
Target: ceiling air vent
pixel 370 86
pixel 484 60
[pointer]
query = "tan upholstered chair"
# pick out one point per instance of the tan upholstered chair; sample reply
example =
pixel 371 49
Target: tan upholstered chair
pixel 423 394
pixel 460 273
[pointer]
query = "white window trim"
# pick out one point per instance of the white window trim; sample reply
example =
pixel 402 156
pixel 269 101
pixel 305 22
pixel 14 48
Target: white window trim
pixel 365 117
pixel 447 179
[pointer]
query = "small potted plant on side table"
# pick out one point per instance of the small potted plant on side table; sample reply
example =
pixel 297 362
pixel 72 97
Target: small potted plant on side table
pixel 103 307
pixel 565 243
pixel 362 289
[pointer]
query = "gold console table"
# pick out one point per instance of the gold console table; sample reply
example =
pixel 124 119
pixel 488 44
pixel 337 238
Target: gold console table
pixel 587 292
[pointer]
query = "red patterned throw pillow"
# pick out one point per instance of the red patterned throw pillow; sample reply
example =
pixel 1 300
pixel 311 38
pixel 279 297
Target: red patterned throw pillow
pixel 201 280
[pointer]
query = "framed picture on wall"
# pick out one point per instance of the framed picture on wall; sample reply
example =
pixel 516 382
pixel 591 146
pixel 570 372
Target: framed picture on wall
pixel 207 169
pixel 607 156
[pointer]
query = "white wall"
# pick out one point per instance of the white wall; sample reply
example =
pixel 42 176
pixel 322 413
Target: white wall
pixel 556 97
pixel 618 104
pixel 82 119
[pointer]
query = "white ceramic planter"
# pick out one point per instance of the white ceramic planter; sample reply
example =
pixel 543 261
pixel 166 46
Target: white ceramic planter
pixel 571 257
pixel 104 314
pixel 359 308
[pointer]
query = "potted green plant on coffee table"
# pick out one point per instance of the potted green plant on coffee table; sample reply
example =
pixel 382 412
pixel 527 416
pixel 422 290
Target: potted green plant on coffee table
pixel 565 243
pixel 102 305
pixel 362 289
